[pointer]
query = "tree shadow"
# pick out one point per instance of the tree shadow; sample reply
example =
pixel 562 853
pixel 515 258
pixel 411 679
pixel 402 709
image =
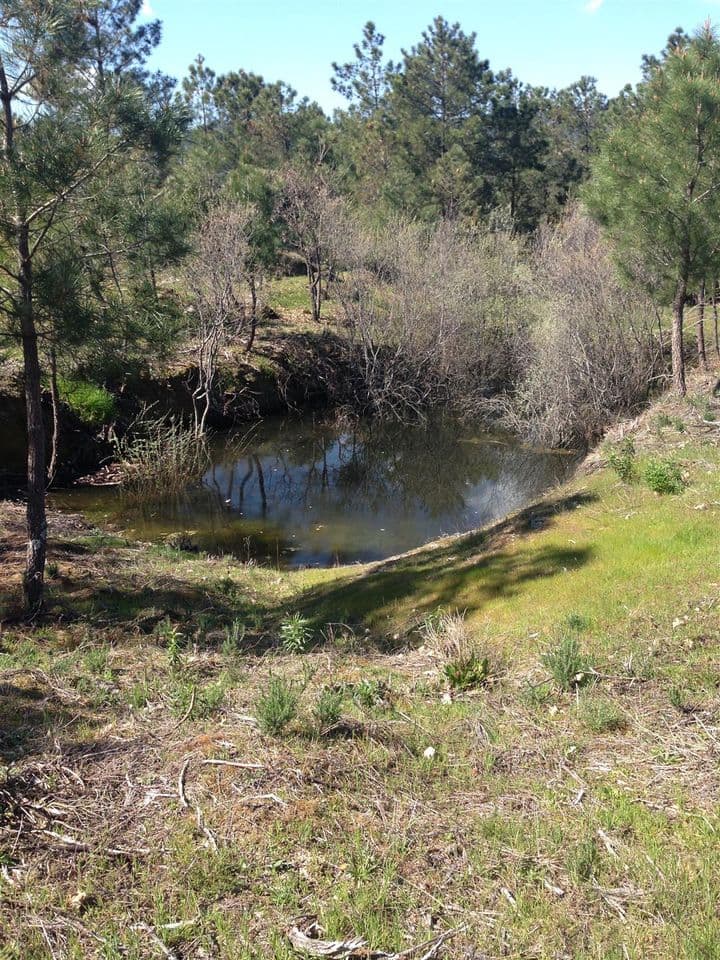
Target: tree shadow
pixel 29 713
pixel 471 569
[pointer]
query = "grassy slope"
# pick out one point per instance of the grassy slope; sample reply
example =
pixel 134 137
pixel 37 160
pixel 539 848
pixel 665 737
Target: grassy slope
pixel 550 824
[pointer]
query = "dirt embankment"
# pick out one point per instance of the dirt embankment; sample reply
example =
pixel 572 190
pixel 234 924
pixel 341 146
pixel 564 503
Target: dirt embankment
pixel 299 371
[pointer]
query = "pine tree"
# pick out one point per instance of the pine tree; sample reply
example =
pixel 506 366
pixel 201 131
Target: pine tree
pixel 655 182
pixel 75 111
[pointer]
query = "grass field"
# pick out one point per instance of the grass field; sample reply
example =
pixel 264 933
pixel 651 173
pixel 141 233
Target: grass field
pixel 561 800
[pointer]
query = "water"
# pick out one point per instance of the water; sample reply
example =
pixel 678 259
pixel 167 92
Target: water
pixel 298 492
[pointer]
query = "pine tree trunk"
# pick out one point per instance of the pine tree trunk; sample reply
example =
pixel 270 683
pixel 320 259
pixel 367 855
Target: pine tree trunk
pixel 716 337
pixel 33 581
pixel 678 357
pixel 55 397
pixel 700 328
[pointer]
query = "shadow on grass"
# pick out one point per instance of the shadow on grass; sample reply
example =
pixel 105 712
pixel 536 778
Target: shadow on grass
pixel 468 571
pixel 28 714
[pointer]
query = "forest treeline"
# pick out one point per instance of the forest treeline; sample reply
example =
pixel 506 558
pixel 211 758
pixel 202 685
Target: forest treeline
pixel 487 244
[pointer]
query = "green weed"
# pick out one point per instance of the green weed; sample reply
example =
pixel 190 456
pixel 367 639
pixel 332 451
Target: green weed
pixel 568 667
pixel 622 460
pixel 467 672
pixel 295 634
pixel 663 476
pixel 277 706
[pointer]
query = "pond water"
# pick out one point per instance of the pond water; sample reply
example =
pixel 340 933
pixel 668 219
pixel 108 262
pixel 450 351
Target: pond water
pixel 302 492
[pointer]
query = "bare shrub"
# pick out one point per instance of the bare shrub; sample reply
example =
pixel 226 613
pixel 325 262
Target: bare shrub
pixel 593 354
pixel 219 275
pixel 432 313
pixel 314 222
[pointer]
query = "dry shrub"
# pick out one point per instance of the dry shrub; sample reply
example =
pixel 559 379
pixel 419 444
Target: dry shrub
pixel 432 312
pixel 220 273
pixel 595 353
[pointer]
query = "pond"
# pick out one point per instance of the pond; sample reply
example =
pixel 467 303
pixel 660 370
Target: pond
pixel 303 492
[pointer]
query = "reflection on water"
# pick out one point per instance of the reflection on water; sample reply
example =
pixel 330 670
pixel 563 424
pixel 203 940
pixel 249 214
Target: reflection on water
pixel 302 493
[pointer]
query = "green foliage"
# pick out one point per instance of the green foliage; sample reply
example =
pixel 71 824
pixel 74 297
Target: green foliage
pixel 622 460
pixel 467 672
pixel 663 420
pixel 96 661
pixel 663 476
pixel 370 693
pixel 94 405
pixel 577 622
pixel 601 715
pixel 537 694
pixel 582 859
pixel 678 697
pixel 173 640
pixel 277 706
pixel 233 638
pixel 295 634
pixel 568 666
pixel 654 183
pixel 328 708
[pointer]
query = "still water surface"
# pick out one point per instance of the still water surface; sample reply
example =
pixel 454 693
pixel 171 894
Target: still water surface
pixel 300 492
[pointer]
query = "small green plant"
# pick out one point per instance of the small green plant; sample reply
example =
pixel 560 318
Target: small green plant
pixel 172 639
pixel 96 661
pixel 601 715
pixel 227 586
pixel 467 672
pixel 328 708
pixel 52 570
pixel 233 639
pixel 277 706
pixel 211 697
pixel 536 694
pixel 568 667
pixel 295 634
pixel 370 693
pixel 577 622
pixel 582 859
pixel 139 696
pixel 663 476
pixel 678 698
pixel 704 408
pixel 663 420
pixel 93 405
pixel 622 460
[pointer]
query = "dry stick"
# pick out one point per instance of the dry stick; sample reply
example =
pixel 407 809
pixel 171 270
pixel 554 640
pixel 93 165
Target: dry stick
pixel 187 713
pixel 205 829
pixel 233 763
pixel 146 928
pixel 181 784
pixel 82 847
pixel 260 796
pixel 434 945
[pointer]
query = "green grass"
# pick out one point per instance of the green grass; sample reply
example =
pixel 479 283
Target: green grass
pixel 549 819
pixel 93 404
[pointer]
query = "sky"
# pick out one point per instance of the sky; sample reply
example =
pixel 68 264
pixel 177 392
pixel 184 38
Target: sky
pixel 545 42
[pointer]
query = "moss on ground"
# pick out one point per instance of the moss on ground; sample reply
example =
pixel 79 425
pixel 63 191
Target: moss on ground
pixel 541 818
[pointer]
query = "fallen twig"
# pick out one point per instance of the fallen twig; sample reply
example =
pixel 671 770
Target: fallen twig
pixel 233 763
pixel 181 784
pixel 308 942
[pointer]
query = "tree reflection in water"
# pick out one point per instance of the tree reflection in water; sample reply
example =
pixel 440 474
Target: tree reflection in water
pixel 300 492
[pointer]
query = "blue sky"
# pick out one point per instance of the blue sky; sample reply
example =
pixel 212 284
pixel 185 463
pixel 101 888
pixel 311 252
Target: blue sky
pixel 550 42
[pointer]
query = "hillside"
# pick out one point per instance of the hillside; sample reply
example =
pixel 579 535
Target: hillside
pixel 560 806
